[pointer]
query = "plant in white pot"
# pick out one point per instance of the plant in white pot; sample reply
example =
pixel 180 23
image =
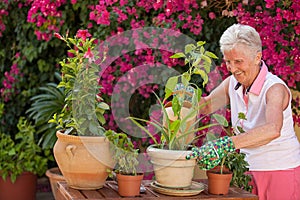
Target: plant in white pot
pixel 180 122
pixel 82 150
pixel 126 156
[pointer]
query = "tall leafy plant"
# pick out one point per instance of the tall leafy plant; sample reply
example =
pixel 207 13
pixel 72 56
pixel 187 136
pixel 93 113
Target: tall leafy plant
pixel 174 132
pixel 80 83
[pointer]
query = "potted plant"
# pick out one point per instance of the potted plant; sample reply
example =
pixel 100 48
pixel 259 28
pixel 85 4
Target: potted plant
pixel 48 101
pixel 81 150
pixel 179 125
pixel 21 161
pixel 126 158
pixel 231 170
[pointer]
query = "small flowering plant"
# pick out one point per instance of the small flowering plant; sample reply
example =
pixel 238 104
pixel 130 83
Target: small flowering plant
pixel 81 88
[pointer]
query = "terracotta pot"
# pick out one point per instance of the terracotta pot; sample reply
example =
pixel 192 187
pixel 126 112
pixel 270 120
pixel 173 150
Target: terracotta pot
pixel 171 168
pixel 23 188
pixel 54 175
pixel 129 186
pixel 218 183
pixel 83 160
pixel 183 113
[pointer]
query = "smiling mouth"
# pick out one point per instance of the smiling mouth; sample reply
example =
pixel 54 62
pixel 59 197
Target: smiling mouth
pixel 238 73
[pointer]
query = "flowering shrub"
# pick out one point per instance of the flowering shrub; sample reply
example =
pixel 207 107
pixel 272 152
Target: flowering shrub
pixel 29 55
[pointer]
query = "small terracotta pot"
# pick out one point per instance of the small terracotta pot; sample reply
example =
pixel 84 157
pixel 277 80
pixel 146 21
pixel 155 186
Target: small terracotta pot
pixel 129 186
pixel 23 188
pixel 218 183
pixel 54 175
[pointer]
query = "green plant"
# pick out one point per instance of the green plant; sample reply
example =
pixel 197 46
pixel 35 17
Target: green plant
pixel 82 113
pixel 235 161
pixel 182 90
pixel 124 153
pixel 50 100
pixel 22 154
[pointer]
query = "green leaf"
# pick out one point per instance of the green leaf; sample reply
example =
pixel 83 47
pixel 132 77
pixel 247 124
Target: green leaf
pixel 178 55
pixel 200 43
pixel 171 84
pixel 189 48
pixel 206 58
pixel 240 129
pixel 242 116
pixel 12 152
pixel 211 55
pixel 176 106
pixel 103 106
pixel 174 126
pixel 210 136
pixel 196 63
pixel 220 119
pixel 203 75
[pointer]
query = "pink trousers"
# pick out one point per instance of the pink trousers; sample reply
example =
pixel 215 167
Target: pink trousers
pixel 277 185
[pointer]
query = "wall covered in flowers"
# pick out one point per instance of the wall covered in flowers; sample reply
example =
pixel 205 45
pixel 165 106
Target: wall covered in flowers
pixel 30 54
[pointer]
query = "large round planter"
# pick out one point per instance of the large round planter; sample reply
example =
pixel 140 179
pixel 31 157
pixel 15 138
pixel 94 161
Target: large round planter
pixel 23 188
pixel 83 160
pixel 129 186
pixel 54 175
pixel 218 183
pixel 171 168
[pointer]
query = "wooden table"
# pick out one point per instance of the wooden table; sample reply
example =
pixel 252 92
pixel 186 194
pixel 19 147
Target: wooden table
pixel 110 191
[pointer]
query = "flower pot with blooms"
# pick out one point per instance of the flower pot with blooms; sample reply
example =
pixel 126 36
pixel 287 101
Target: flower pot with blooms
pixel 180 122
pixel 126 158
pixel 82 150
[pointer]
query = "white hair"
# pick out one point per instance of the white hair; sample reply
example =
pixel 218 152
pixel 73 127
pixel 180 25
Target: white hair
pixel 240 34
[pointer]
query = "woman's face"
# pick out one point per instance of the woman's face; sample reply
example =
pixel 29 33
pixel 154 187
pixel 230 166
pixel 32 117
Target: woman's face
pixel 243 63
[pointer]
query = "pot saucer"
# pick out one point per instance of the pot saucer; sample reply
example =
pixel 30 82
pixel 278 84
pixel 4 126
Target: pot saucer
pixel 194 189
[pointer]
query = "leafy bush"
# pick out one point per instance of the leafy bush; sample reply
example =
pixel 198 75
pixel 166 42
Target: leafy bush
pixel 22 154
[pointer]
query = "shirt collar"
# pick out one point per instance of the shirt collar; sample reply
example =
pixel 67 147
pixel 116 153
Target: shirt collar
pixel 258 82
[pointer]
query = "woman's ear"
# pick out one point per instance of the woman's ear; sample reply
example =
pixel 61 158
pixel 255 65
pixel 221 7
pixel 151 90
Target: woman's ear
pixel 258 58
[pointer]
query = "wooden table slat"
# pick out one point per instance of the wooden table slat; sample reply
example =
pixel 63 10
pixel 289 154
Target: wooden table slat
pixel 110 192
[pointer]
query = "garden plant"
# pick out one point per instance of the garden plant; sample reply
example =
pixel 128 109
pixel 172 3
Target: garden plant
pixel 30 53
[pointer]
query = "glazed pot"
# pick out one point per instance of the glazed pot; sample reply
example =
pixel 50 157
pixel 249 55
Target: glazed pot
pixel 171 168
pixel 83 160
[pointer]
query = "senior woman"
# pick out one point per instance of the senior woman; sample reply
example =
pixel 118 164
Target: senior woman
pixel 269 141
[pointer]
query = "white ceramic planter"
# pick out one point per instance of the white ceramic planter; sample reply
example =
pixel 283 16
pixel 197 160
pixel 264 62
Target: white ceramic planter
pixel 171 168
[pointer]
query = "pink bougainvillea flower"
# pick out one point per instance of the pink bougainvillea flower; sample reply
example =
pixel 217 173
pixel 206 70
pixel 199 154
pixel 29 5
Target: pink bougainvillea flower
pixel 83 34
pixel 89 54
pixel 57 35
